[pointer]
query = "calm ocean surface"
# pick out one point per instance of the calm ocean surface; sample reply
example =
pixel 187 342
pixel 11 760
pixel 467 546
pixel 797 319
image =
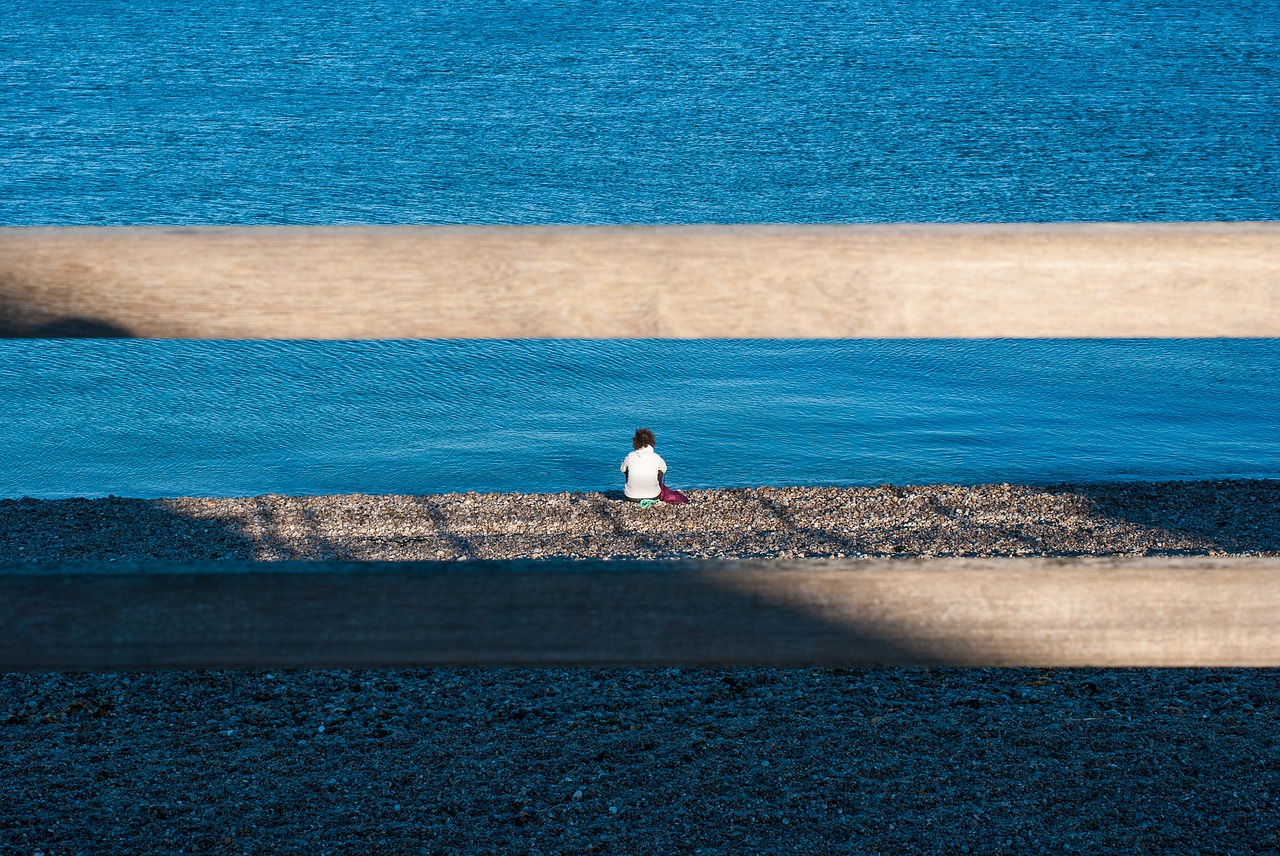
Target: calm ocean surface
pixel 139 418
pixel 314 111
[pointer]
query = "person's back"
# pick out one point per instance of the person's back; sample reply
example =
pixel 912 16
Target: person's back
pixel 643 467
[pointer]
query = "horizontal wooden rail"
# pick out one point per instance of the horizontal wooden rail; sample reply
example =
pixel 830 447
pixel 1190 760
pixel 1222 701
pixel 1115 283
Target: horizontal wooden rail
pixel 877 281
pixel 1185 611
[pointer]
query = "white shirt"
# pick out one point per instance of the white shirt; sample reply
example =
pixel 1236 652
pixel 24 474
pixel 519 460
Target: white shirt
pixel 642 467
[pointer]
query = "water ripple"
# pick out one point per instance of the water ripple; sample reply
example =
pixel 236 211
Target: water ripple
pixel 154 418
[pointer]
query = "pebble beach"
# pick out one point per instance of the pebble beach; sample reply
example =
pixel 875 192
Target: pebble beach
pixel 647 761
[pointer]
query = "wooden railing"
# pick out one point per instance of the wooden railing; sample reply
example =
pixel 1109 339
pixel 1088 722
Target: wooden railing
pixel 1070 280
pixel 1113 280
pixel 993 612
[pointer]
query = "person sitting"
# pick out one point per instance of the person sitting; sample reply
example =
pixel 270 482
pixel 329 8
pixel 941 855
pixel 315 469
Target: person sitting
pixel 644 468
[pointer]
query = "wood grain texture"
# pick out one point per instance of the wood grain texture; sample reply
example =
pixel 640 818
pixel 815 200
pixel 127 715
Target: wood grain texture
pixel 992 280
pixel 1185 611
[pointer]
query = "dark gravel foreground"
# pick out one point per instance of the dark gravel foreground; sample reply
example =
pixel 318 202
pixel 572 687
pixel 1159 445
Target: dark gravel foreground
pixel 647 761
pixel 673 761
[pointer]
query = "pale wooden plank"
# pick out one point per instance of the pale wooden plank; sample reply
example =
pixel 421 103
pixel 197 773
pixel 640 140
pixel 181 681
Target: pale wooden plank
pixel 984 280
pixel 1185 611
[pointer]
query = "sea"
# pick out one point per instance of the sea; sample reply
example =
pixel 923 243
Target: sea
pixel 174 112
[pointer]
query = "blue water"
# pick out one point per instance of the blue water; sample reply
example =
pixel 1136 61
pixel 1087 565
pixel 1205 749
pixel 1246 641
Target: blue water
pixel 597 111
pixel 139 418
pixel 592 111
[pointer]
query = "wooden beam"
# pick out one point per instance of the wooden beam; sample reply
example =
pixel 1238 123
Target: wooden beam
pixel 985 280
pixel 1186 611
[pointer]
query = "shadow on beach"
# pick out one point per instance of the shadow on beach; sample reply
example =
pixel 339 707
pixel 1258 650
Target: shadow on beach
pixel 1173 518
pixel 558 760
pixel 601 535
pixel 1231 516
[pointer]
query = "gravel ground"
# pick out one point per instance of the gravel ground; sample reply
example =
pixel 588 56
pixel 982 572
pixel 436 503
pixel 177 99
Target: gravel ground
pixel 1208 517
pixel 647 761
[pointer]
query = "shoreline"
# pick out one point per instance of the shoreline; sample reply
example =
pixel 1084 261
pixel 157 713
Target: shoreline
pixel 1211 517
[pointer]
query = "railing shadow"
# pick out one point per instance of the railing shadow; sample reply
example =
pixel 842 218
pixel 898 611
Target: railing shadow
pixel 19 320
pixel 114 529
pixel 705 608
pixel 179 598
pixel 1230 516
pixel 1123 518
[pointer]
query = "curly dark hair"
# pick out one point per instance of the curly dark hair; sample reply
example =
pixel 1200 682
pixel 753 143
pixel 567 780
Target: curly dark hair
pixel 643 437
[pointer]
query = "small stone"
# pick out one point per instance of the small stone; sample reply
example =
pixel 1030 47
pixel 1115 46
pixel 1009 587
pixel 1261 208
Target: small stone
pixel 577 795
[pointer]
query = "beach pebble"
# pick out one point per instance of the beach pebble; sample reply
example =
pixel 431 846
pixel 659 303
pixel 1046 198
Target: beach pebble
pixel 784 760
pixel 1124 518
